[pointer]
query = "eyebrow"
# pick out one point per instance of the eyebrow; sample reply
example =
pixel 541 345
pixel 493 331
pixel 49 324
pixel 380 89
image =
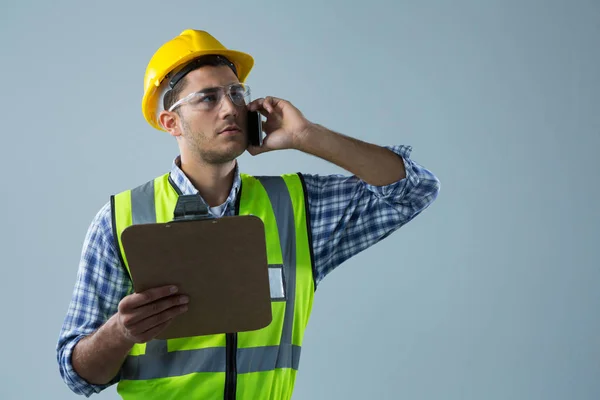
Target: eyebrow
pixel 208 90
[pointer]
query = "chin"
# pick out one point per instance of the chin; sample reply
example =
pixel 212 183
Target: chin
pixel 225 156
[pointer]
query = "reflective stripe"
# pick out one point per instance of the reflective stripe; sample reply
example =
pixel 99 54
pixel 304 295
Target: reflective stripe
pixel 183 362
pixel 284 216
pixel 157 346
pixel 143 210
pixel 176 363
pixel 276 282
pixel 267 358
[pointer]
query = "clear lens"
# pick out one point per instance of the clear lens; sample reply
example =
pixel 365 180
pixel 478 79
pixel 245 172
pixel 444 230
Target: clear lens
pixel 239 94
pixel 208 99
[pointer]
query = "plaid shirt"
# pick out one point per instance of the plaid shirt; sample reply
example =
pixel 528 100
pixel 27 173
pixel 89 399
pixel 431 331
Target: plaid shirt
pixel 347 216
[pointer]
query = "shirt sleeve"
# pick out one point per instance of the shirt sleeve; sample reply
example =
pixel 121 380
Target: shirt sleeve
pixel 101 283
pixel 347 215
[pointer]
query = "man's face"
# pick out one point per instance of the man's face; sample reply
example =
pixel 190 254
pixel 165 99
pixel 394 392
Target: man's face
pixel 204 133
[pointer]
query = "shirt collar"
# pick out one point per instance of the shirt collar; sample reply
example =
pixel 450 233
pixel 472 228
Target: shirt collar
pixel 186 187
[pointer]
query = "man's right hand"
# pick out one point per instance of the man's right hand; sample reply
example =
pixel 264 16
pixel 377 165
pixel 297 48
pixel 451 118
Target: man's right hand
pixel 142 316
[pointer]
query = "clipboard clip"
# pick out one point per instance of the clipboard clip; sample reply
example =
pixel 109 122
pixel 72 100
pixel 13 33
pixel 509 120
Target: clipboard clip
pixel 190 208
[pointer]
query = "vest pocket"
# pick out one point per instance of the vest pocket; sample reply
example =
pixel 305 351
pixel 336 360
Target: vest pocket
pixel 277 283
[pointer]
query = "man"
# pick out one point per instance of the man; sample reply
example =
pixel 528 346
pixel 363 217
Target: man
pixel 195 91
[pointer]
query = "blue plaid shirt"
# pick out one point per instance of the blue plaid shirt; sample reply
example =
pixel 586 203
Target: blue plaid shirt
pixel 347 216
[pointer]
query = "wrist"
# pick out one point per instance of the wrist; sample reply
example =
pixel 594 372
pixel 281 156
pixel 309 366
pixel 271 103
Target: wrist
pixel 307 137
pixel 117 332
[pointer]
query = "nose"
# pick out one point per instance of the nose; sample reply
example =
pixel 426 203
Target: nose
pixel 227 107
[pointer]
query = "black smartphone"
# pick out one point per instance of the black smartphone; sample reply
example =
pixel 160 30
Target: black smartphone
pixel 254 128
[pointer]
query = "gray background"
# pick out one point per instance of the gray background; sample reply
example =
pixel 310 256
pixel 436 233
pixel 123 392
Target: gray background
pixel 492 293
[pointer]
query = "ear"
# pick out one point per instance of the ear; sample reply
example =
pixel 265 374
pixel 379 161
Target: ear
pixel 170 121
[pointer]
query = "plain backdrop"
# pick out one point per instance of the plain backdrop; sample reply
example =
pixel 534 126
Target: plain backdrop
pixel 492 293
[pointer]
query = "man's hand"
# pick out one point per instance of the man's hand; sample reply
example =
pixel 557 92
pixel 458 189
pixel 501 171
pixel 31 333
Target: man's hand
pixel 98 357
pixel 142 316
pixel 285 125
pixel 287 128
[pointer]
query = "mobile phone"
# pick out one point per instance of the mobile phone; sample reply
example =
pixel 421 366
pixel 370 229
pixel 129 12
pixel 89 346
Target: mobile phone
pixel 254 128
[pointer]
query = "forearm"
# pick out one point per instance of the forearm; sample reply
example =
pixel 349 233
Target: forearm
pixel 373 164
pixel 97 358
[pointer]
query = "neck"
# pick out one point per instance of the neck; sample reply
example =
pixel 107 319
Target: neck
pixel 214 182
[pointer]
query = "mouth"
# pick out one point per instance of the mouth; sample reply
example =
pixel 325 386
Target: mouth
pixel 232 129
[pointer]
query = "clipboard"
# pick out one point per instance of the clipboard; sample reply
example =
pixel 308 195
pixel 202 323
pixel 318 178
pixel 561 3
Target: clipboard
pixel 221 264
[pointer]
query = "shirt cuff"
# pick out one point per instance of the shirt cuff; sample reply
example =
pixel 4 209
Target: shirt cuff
pixel 75 382
pixel 398 188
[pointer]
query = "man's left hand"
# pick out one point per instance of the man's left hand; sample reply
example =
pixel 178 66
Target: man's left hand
pixel 285 125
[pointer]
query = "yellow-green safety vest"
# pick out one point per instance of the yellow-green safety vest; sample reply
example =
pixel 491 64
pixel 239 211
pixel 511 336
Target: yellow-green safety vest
pixel 256 365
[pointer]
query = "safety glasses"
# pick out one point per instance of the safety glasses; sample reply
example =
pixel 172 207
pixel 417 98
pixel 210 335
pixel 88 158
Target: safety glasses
pixel 208 99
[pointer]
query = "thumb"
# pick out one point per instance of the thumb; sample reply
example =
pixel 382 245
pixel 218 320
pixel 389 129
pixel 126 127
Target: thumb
pixel 256 150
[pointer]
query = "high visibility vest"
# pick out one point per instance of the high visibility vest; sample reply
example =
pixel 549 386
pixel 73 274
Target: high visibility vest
pixel 260 364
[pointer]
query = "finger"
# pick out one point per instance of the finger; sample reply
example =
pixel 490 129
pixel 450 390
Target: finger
pixel 153 308
pixel 256 150
pixel 270 103
pixel 260 106
pixel 256 104
pixel 276 102
pixel 157 319
pixel 271 125
pixel 266 105
pixel 264 112
pixel 148 296
pixel 153 332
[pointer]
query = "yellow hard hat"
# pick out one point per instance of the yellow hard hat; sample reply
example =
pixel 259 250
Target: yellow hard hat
pixel 177 52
